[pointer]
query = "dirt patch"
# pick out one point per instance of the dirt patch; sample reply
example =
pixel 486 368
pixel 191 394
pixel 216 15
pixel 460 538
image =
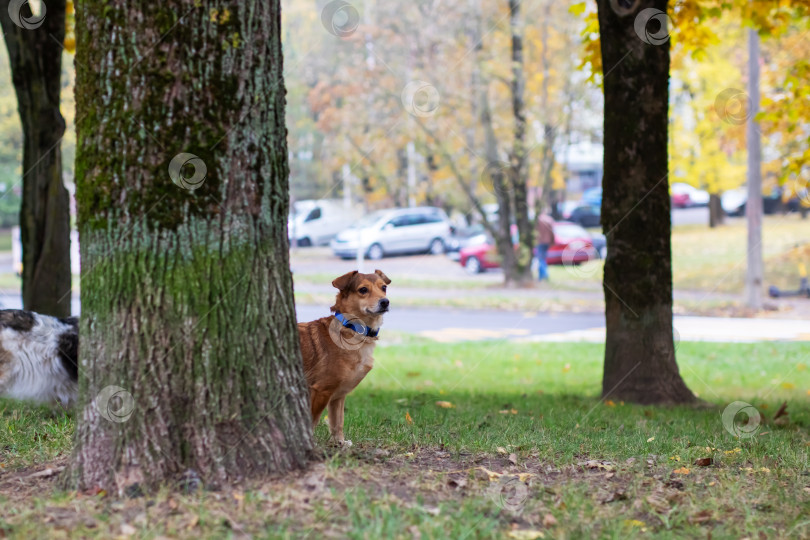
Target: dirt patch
pixel 516 493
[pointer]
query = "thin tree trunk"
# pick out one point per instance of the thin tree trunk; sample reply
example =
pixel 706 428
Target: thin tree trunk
pixel 187 301
pixel 639 350
pixel 35 55
pixel 496 172
pixel 716 213
pixel 753 207
pixel 548 200
pixel 518 174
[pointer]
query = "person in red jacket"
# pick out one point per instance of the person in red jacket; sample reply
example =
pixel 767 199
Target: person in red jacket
pixel 545 237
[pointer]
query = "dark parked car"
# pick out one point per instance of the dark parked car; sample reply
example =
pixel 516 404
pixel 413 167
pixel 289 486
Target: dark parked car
pixel 462 238
pixel 586 216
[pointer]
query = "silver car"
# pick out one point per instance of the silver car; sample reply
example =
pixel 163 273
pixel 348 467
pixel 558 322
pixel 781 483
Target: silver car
pixel 423 229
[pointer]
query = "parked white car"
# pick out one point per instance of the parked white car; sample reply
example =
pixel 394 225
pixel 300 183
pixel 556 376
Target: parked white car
pixel 314 223
pixel 422 229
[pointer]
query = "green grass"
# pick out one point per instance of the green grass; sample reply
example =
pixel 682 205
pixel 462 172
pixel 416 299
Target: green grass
pixel 5 239
pixel 417 469
pixel 715 259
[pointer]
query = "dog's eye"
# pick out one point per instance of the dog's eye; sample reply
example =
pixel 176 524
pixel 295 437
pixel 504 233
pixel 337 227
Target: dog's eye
pixel 384 288
pixel 362 290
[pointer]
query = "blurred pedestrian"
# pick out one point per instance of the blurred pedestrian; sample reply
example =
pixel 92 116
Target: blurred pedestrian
pixel 545 237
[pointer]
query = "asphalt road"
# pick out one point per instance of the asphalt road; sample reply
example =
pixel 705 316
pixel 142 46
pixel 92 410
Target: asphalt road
pixel 462 325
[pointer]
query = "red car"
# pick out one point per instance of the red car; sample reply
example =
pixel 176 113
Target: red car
pixel 572 245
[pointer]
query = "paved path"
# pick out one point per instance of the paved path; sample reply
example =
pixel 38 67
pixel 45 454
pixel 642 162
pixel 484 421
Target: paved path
pixel 450 325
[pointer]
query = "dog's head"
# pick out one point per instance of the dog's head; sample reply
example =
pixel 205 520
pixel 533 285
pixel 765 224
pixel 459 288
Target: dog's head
pixel 362 295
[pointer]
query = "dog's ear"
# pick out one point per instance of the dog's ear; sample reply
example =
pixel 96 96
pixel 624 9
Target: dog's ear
pixel 343 281
pixel 383 276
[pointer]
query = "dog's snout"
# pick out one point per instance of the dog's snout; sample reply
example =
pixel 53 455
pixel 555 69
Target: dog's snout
pixel 384 303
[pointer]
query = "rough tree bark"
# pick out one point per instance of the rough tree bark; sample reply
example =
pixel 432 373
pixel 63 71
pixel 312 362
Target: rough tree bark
pixel 639 350
pixel 34 46
pixel 187 301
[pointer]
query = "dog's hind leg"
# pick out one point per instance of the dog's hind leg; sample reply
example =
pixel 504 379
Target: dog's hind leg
pixel 336 421
pixel 318 401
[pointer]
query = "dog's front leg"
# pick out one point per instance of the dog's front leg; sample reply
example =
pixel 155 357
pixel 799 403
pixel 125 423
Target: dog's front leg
pixel 336 422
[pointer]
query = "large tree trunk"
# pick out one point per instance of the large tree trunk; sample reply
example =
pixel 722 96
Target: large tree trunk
pixel 187 300
pixel 639 350
pixel 34 46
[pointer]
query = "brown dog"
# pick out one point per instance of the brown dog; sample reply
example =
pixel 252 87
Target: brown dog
pixel 337 349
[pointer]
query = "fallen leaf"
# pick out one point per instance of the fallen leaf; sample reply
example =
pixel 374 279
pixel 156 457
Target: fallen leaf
pixel 682 470
pixel 444 404
pixel 491 474
pixel 525 534
pixel 549 520
pixel 413 374
pixel 610 403
pixel 788 386
pixel 658 502
pixel 408 417
pixel 600 465
pixel 651 439
pixel 127 529
pixel 701 517
pixel 634 523
pixel 501 450
pixel 457 482
pixel 513 459
pixel 704 462
pixel 513 411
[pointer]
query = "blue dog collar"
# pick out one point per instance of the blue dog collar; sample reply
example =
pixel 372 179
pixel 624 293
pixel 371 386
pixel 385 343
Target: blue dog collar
pixel 359 328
